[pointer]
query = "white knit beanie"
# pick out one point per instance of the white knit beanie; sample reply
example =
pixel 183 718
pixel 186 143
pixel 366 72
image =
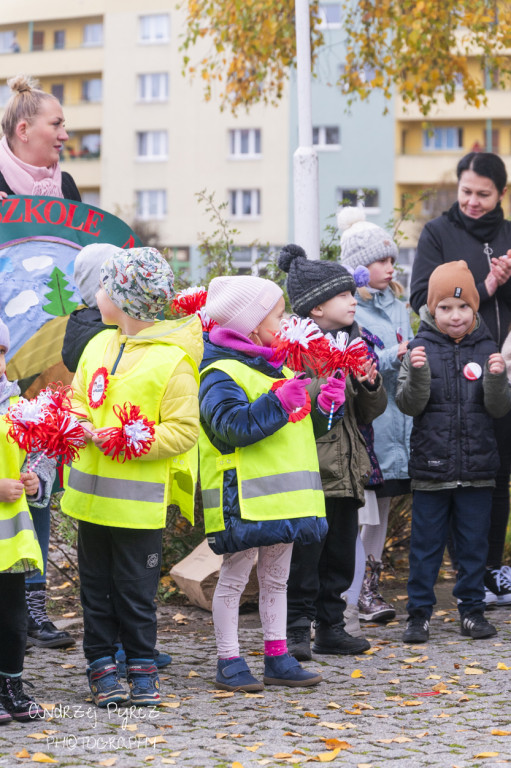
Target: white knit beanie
pixel 87 267
pixel 361 241
pixel 241 302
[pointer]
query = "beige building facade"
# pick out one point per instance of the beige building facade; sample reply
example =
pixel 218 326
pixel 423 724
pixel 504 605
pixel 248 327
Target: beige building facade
pixel 143 141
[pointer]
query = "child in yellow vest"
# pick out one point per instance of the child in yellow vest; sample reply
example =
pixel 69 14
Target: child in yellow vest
pixel 19 554
pixel 122 506
pixel 259 472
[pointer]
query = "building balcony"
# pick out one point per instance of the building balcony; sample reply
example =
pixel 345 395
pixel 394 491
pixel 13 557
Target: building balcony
pixel 431 168
pixel 497 108
pixel 54 62
pixel 83 116
pixel 85 171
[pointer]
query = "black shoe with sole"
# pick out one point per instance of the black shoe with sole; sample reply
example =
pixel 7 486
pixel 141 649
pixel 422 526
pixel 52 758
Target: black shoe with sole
pixel 16 702
pixel 475 625
pixel 417 630
pixel 299 643
pixel 333 639
pixel 41 631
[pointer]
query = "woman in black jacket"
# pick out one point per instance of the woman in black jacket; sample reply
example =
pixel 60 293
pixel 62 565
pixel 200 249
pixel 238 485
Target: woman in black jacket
pixel 474 229
pixel 33 137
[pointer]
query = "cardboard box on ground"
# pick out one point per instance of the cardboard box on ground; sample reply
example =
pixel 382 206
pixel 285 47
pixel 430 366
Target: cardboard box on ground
pixel 197 574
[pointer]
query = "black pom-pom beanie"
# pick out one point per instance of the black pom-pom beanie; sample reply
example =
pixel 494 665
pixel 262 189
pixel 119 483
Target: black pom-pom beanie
pixel 310 282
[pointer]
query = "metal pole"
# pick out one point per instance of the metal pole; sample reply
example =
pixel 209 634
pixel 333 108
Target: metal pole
pixel 305 159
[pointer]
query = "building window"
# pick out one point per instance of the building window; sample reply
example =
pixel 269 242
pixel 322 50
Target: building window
pixel 152 145
pixel 90 197
pixel 360 197
pixel 245 203
pixel 329 15
pixel 326 136
pixel 153 87
pixel 245 142
pixel 8 42
pixel 92 90
pixel 59 38
pixel 151 204
pixel 442 138
pixel 93 34
pixel 154 28
pixel 37 40
pixel 57 90
pixel 5 95
pixel 90 145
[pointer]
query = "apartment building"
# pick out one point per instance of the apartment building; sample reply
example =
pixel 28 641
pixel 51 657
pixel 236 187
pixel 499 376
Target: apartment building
pixel 143 142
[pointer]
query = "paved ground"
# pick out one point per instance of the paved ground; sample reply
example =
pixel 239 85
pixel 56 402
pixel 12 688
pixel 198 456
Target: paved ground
pixel 443 704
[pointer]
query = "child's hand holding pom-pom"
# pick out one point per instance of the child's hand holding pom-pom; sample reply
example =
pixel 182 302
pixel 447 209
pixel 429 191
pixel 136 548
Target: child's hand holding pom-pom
pixel 332 392
pixel 292 394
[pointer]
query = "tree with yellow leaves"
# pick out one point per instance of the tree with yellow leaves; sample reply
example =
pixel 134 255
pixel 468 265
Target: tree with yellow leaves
pixel 420 49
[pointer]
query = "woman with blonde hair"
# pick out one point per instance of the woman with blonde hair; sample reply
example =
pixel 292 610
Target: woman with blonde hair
pixel 33 137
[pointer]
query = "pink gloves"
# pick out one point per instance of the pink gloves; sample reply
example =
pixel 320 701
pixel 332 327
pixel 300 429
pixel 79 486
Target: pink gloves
pixel 332 392
pixel 292 394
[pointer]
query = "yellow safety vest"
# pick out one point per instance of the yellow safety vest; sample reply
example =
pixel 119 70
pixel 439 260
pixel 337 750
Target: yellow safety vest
pixel 135 494
pixel 278 477
pixel 18 539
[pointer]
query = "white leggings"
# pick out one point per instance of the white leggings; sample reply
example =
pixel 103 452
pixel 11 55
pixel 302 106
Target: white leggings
pixel 273 564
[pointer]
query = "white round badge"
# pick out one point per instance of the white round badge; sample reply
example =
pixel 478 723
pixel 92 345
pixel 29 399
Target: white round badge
pixel 472 371
pixel 97 387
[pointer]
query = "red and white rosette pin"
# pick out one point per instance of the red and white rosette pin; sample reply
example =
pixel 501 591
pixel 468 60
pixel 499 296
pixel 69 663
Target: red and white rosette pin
pixel 472 371
pixel 97 387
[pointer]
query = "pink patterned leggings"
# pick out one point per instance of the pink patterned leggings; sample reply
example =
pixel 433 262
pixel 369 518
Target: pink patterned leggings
pixel 273 564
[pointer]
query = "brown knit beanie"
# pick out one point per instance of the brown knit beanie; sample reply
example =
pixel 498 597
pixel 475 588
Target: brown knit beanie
pixel 452 279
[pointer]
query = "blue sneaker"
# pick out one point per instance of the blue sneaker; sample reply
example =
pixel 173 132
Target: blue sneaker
pixel 234 675
pixel 286 670
pixel 104 683
pixel 144 682
pixel 160 659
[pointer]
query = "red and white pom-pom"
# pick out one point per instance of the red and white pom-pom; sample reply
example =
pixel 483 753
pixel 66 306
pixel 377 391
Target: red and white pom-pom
pixel 27 419
pixel 132 439
pixel 190 300
pixel 64 436
pixel 349 357
pixel 299 344
pixel 56 396
pixel 206 320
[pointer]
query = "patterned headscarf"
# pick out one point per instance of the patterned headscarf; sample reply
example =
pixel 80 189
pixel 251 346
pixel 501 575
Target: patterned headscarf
pixel 139 281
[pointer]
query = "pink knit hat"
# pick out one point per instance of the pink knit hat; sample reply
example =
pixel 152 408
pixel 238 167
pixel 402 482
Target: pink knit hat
pixel 241 302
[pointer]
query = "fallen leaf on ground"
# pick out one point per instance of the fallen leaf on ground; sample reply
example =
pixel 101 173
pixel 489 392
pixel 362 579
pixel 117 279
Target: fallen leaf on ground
pixel 337 726
pixel 192 673
pixel 22 754
pixel 327 757
pixel 357 673
pixel 169 704
pixel 157 740
pixel 40 757
pixel 333 705
pixel 180 618
pixel 223 695
pixel 473 671
pixel 495 732
pixel 486 754
pixel 309 714
pixel 36 735
pixel 109 762
pixel 221 735
pixel 236 765
pixel 500 665
pixel 293 733
pixel 255 747
pixel 442 714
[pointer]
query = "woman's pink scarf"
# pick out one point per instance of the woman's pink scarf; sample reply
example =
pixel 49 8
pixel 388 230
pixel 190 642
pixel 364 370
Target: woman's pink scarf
pixel 25 179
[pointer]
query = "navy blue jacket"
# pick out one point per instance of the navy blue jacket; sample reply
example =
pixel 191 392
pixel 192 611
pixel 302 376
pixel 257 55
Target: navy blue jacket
pixel 230 421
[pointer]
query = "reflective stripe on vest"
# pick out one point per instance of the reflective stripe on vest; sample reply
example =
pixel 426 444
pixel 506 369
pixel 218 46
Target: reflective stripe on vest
pixel 13 525
pixel 18 540
pixel 138 491
pixel 110 488
pixel 274 483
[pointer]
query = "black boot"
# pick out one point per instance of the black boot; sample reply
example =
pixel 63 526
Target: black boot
pixel 299 642
pixel 333 639
pixel 16 702
pixel 41 631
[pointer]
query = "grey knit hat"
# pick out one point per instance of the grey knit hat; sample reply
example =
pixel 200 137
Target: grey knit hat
pixel 362 242
pixel 309 282
pixel 87 268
